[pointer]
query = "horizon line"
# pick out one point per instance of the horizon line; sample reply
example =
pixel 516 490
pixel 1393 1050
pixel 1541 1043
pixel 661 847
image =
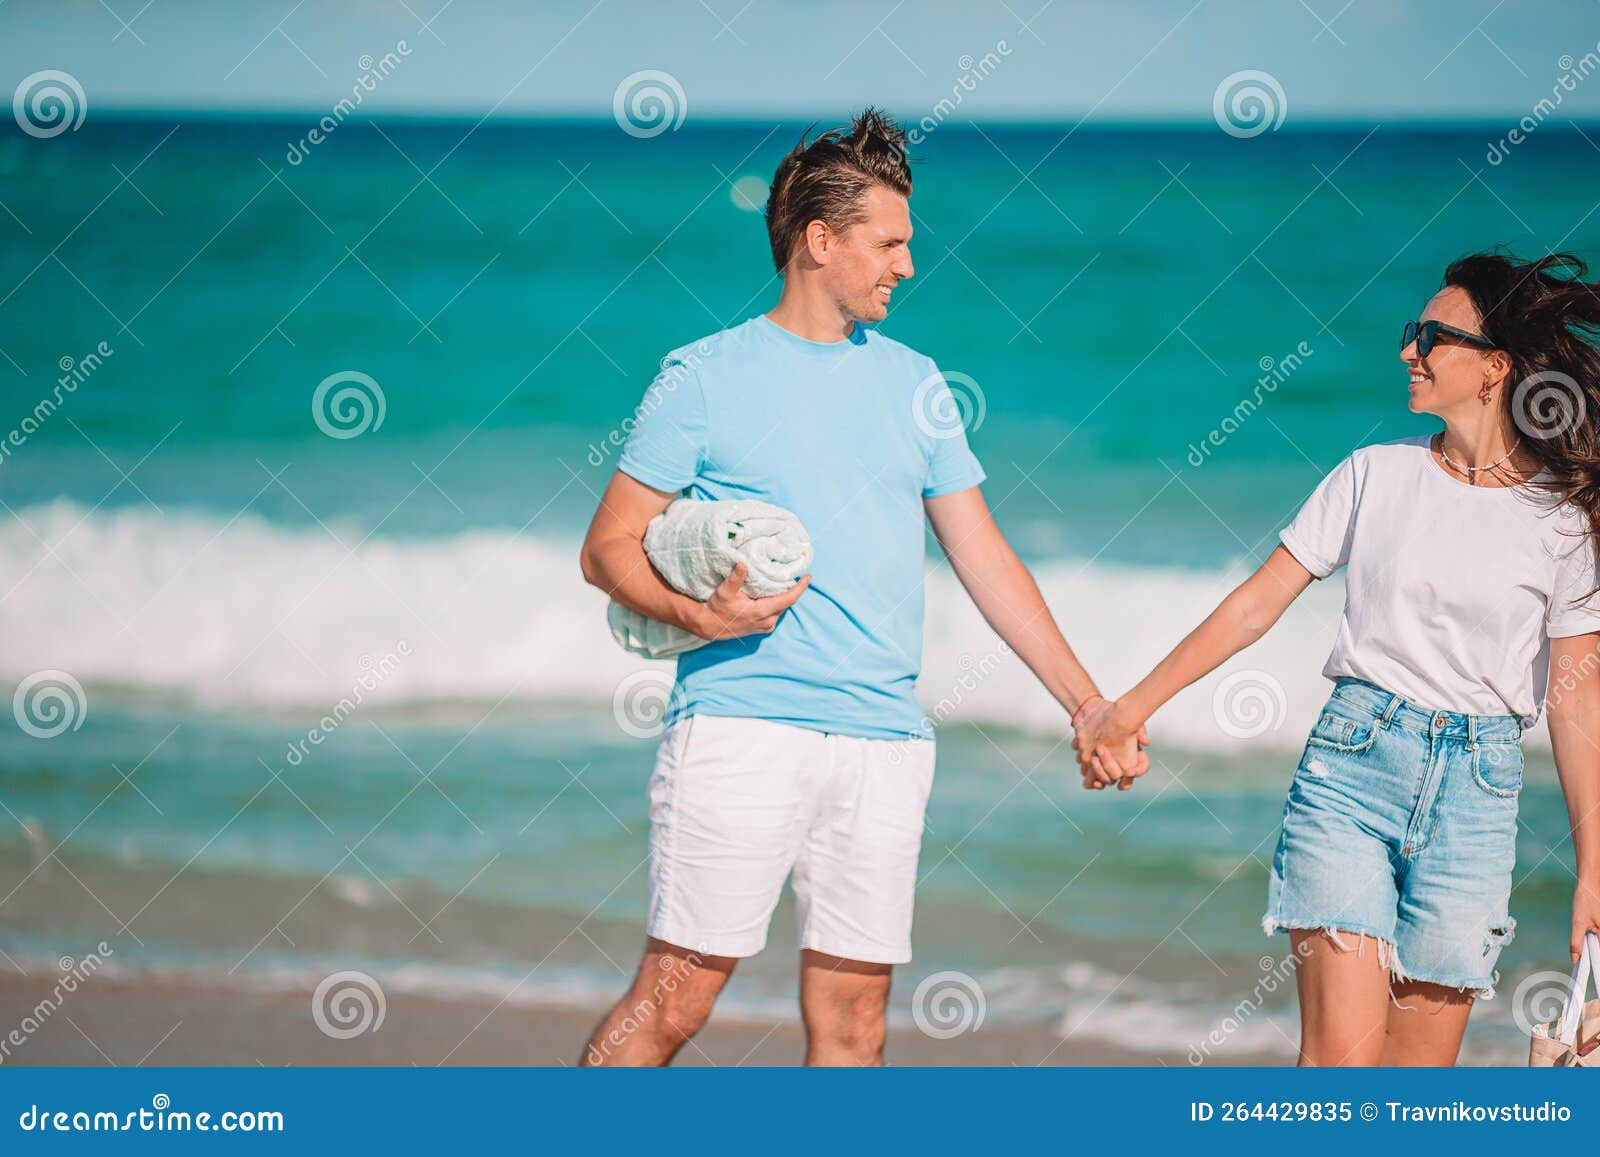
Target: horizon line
pixel 1324 123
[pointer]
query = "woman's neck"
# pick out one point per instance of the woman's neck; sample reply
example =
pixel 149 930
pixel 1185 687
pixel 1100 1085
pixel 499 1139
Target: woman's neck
pixel 1485 451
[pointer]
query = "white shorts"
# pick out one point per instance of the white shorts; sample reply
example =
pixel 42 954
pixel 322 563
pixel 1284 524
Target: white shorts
pixel 737 805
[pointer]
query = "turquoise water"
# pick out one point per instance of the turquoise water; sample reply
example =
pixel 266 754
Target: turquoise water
pixel 557 263
pixel 216 572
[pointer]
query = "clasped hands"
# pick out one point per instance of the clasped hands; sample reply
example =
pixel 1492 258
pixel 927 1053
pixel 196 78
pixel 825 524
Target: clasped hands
pixel 1109 743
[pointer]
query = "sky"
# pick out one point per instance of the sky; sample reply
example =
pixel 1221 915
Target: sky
pixel 1049 60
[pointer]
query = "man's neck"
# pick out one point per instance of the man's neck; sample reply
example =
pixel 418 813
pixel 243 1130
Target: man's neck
pixel 811 318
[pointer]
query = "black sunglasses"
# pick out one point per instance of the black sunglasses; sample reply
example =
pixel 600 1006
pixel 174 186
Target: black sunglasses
pixel 1426 335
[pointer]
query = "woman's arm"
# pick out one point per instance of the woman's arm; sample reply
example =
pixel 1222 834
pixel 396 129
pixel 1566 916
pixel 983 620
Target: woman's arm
pixel 1239 620
pixel 1573 706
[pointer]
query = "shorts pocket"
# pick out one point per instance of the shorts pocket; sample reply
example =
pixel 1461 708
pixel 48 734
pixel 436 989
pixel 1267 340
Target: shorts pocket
pixel 1497 768
pixel 1336 733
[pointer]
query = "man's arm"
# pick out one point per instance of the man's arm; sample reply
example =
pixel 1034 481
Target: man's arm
pixel 613 559
pixel 1005 593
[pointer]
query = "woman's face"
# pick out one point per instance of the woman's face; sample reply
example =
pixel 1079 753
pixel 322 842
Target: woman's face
pixel 1453 374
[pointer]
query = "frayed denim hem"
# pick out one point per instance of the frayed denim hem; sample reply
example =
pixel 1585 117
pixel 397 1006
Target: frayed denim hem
pixel 1389 956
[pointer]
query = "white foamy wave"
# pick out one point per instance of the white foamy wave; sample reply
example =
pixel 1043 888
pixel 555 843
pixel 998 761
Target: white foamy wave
pixel 1089 1002
pixel 1121 621
pixel 251 612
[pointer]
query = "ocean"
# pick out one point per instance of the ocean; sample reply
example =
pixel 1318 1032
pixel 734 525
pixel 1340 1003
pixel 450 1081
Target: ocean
pixel 299 529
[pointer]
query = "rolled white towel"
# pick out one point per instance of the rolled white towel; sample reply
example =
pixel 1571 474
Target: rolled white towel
pixel 694 546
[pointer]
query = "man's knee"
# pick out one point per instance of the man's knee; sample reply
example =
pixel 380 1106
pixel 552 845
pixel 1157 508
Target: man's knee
pixel 673 999
pixel 861 1033
pixel 669 1001
pixel 684 1013
pixel 852 1024
pixel 648 1028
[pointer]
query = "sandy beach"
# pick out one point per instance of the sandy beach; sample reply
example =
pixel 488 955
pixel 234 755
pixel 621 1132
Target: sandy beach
pixel 113 1021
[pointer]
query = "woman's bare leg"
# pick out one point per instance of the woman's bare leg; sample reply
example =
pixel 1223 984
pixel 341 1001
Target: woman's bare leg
pixel 1427 1025
pixel 1343 981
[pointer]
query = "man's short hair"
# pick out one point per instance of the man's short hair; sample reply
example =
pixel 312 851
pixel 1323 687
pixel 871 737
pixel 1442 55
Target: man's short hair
pixel 827 180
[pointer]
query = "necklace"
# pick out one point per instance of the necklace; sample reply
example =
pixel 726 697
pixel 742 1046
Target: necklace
pixel 1470 471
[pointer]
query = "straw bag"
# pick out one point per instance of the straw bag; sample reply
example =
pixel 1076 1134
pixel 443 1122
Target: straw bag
pixel 1573 1040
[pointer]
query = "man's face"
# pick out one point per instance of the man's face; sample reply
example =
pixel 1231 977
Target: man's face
pixel 870 258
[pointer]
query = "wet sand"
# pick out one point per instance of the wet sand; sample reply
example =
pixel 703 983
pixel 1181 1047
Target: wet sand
pixel 132 1021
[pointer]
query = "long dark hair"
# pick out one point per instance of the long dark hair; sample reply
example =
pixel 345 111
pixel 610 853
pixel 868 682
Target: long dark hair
pixel 1546 317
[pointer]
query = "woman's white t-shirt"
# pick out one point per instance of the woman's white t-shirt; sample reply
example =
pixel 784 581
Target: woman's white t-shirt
pixel 1453 591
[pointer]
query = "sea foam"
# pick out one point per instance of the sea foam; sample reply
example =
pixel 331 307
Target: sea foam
pixel 250 612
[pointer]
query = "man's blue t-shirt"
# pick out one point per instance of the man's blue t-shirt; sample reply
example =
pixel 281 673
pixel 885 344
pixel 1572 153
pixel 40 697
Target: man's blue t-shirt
pixel 851 436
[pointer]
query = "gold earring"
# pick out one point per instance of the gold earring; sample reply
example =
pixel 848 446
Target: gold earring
pixel 1485 393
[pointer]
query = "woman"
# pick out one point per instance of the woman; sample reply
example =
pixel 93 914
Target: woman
pixel 1471 558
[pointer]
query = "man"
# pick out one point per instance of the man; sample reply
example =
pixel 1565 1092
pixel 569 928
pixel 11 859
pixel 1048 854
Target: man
pixel 794 746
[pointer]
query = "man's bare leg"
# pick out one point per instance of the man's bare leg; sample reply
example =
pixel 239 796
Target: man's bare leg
pixel 668 1002
pixel 844 1004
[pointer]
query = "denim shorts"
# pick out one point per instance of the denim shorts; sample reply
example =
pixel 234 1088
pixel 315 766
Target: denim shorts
pixel 1401 824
